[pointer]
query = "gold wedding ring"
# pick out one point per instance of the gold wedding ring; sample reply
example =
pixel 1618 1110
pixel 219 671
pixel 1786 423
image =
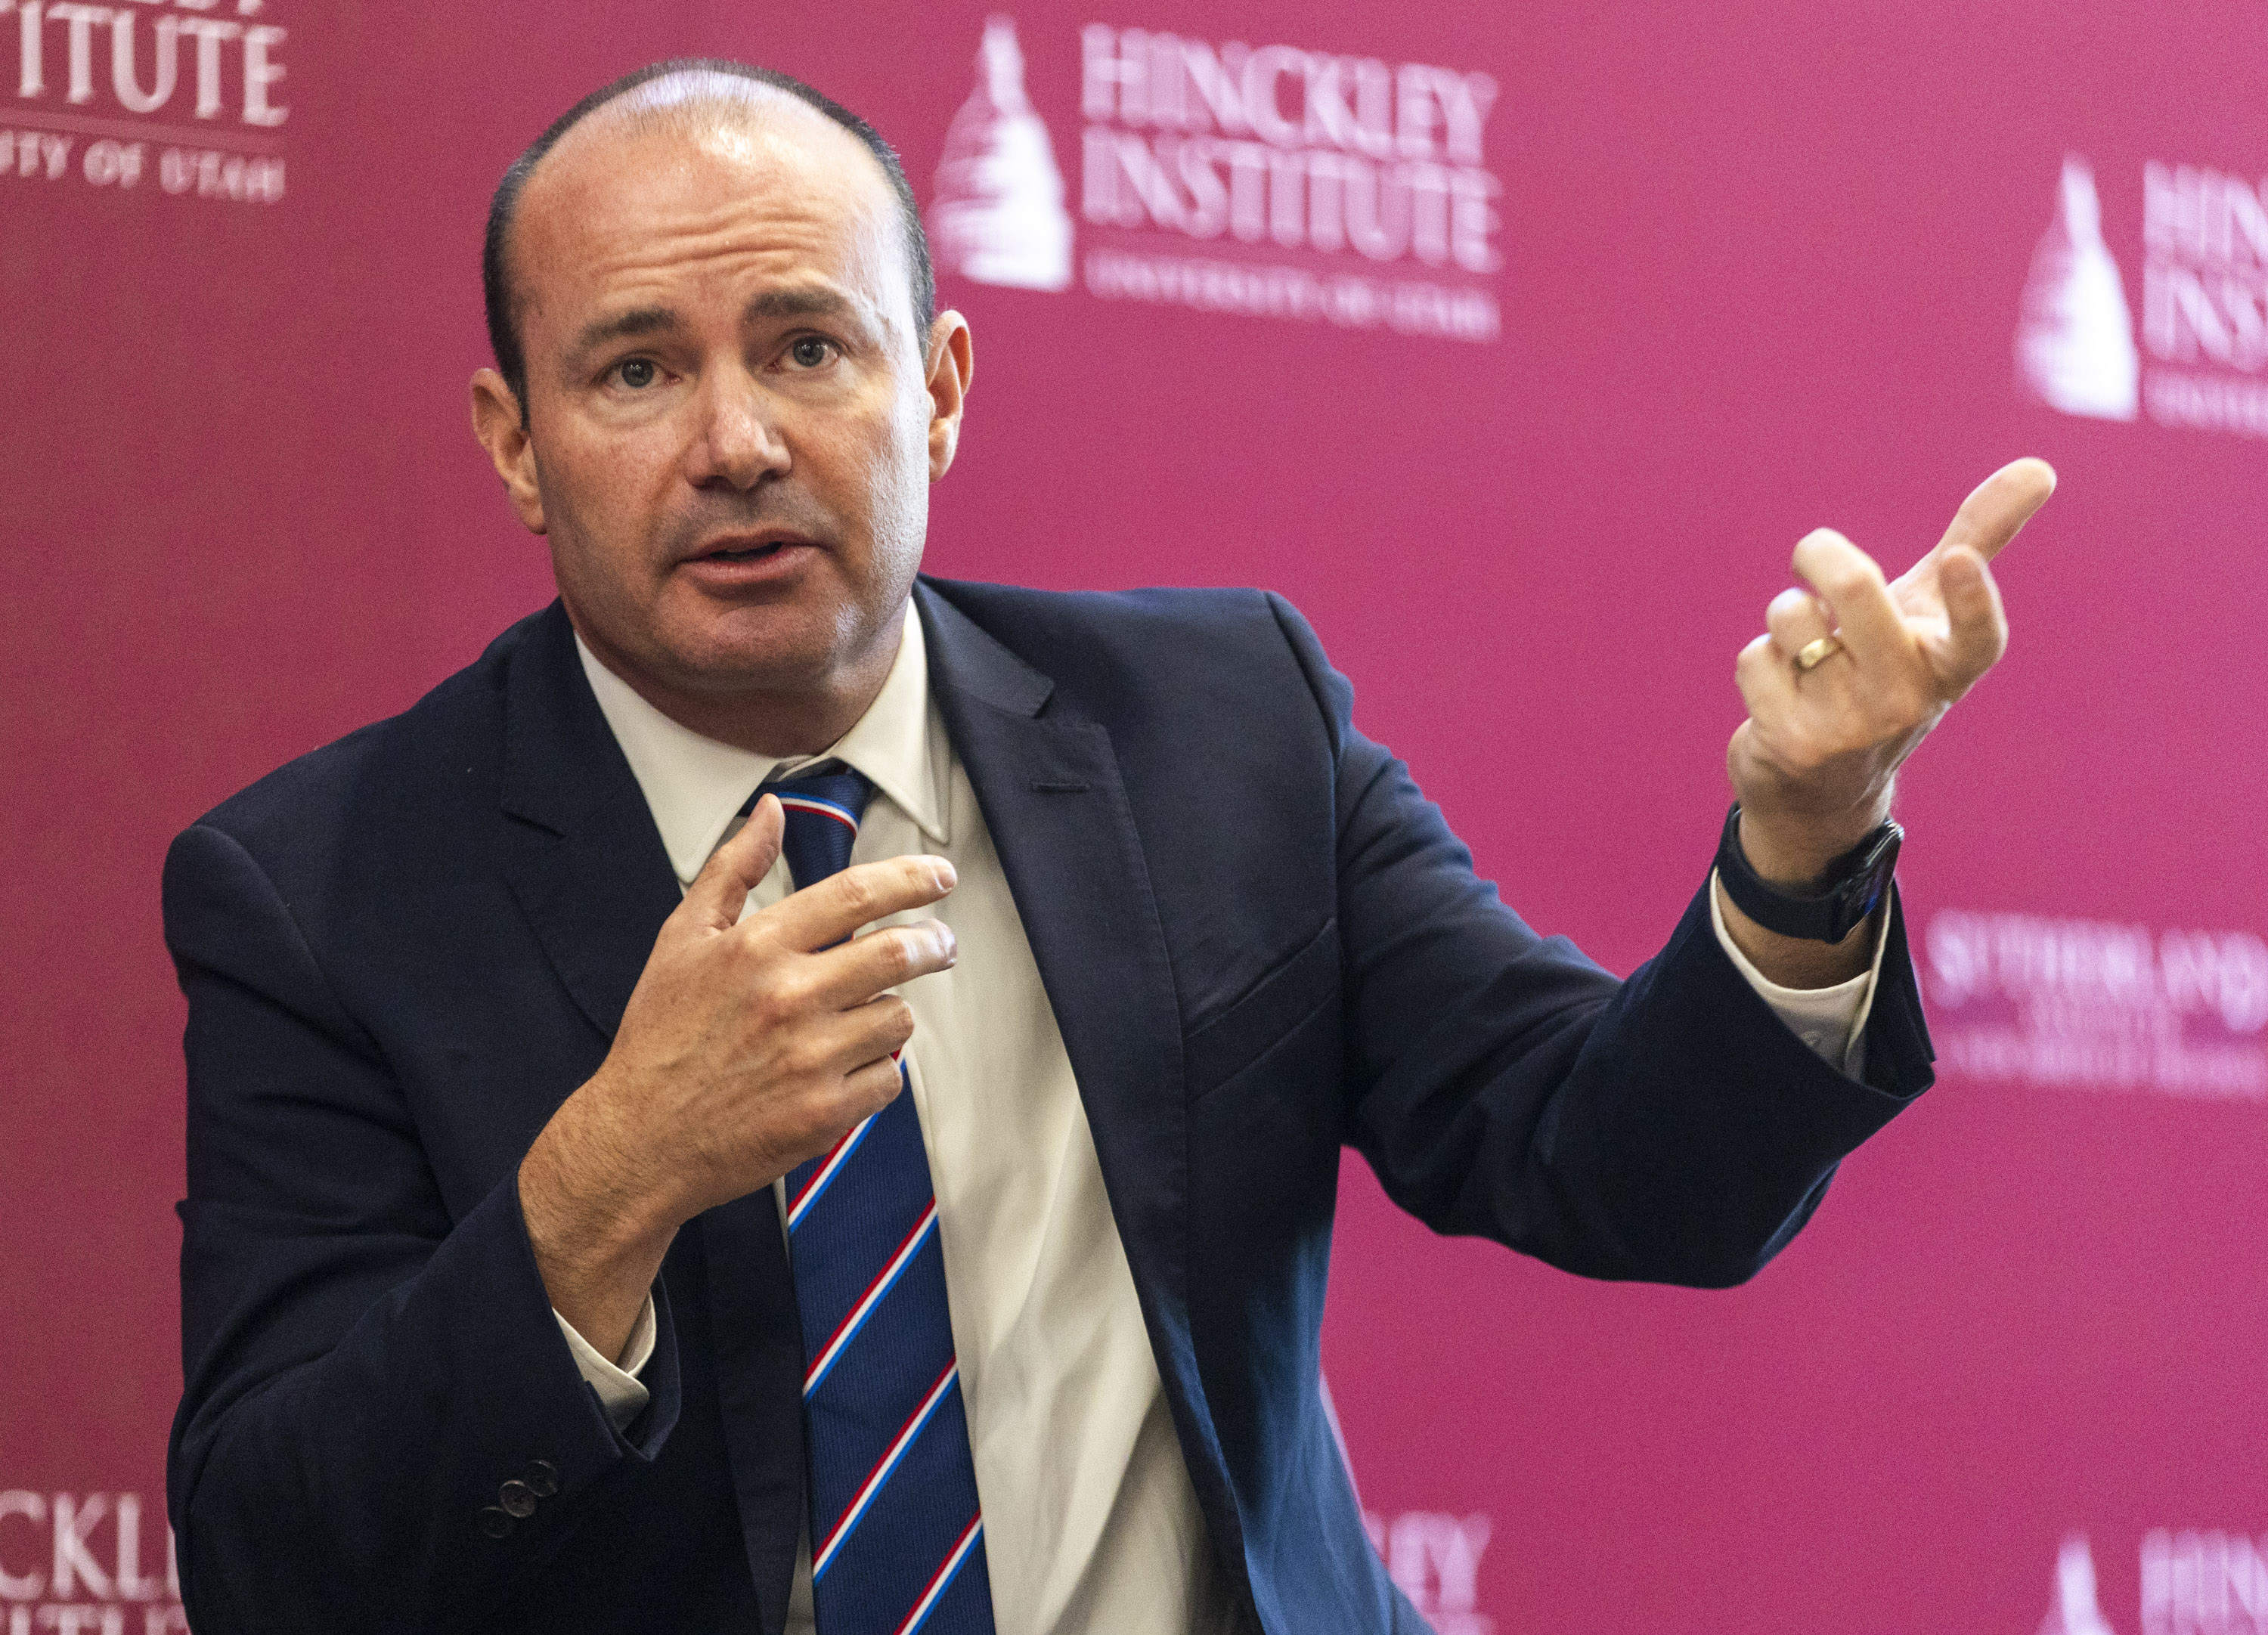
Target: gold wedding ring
pixel 1811 655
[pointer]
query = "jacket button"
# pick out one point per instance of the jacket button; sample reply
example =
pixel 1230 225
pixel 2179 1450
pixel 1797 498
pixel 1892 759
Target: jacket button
pixel 517 1499
pixel 542 1478
pixel 494 1523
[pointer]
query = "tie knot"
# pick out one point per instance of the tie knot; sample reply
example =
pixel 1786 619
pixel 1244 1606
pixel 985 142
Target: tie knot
pixel 823 807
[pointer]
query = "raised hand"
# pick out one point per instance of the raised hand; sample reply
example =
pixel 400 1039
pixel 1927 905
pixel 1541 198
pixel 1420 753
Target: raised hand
pixel 747 1047
pixel 1853 673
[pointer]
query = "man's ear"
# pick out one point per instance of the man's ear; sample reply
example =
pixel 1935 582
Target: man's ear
pixel 497 425
pixel 951 362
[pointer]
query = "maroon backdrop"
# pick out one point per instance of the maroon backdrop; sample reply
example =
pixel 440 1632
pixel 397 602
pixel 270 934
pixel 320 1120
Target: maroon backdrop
pixel 1517 349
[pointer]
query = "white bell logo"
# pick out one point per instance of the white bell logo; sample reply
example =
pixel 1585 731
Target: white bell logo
pixel 2075 340
pixel 2076 1611
pixel 998 217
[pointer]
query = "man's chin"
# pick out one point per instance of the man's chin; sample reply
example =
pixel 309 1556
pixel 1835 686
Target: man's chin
pixel 765 651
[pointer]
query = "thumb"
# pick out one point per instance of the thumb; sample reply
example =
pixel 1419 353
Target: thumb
pixel 1977 628
pixel 1998 508
pixel 737 868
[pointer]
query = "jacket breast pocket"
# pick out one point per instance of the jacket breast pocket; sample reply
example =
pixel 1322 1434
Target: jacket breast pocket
pixel 1269 1012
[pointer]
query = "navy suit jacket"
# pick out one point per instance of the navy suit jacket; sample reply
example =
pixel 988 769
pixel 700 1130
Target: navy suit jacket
pixel 1261 943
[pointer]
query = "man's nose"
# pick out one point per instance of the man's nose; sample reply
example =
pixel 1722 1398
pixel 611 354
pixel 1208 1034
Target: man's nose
pixel 737 440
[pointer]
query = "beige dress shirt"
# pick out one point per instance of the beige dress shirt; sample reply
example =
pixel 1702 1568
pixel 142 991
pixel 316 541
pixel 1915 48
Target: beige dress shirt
pixel 1090 1521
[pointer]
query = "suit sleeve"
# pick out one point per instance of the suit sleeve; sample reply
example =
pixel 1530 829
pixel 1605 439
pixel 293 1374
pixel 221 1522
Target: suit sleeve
pixel 364 1373
pixel 1668 1128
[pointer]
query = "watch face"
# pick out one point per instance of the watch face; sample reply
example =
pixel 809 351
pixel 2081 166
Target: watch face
pixel 1857 896
pixel 1853 903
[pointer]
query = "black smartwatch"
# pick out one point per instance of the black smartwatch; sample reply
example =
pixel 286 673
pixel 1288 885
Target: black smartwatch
pixel 1855 882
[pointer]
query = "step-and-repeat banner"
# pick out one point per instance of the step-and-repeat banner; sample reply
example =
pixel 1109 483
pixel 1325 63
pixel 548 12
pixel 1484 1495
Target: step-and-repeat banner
pixel 1518 348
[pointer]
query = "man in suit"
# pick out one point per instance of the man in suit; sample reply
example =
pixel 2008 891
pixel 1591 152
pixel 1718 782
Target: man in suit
pixel 587 1230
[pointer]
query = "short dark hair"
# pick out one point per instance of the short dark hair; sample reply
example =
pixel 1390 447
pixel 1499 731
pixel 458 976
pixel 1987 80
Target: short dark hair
pixel 496 284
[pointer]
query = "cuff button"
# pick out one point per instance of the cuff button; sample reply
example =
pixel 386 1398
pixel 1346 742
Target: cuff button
pixel 518 1498
pixel 495 1522
pixel 542 1478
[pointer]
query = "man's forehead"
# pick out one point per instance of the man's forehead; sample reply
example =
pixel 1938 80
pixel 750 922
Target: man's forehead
pixel 778 137
pixel 702 142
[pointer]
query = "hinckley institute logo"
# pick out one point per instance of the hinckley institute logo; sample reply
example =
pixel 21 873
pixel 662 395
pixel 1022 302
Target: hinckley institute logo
pixel 86 1563
pixel 1273 182
pixel 2196 353
pixel 183 99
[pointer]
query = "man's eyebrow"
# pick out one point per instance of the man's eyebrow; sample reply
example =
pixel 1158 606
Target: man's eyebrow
pixel 638 321
pixel 796 304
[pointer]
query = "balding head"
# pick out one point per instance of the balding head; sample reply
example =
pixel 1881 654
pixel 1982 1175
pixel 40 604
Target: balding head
pixel 687 95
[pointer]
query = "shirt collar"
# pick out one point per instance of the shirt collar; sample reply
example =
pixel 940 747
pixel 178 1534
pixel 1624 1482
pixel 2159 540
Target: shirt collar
pixel 695 786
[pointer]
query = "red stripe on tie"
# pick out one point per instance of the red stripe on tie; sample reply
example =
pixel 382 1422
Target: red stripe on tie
pixel 944 1576
pixel 839 1154
pixel 867 1301
pixel 820 1176
pixel 825 1555
pixel 805 803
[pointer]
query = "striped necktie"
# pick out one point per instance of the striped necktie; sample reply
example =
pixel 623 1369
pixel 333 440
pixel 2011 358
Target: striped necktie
pixel 897 1539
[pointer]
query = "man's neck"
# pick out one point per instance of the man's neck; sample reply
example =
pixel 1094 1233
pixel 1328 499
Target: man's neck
pixel 776 724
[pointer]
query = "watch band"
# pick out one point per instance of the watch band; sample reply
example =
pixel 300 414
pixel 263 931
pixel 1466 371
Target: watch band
pixel 1854 884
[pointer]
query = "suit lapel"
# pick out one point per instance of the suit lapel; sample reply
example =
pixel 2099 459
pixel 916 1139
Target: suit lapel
pixel 756 1333
pixel 1049 787
pixel 584 859
pixel 588 868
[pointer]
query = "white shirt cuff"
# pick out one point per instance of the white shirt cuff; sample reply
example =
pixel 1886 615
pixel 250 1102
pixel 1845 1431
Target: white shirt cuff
pixel 1832 1021
pixel 620 1391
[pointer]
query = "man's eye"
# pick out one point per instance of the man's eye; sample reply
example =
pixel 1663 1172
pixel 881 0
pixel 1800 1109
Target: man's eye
pixel 637 373
pixel 811 352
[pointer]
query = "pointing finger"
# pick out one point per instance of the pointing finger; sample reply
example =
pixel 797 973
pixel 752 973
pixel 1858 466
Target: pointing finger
pixel 720 891
pixel 1997 507
pixel 822 915
pixel 1977 628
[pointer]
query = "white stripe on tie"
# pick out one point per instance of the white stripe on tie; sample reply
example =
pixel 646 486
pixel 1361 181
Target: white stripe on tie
pixel 834 1542
pixel 874 1297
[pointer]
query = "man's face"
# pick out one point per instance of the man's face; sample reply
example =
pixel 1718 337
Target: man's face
pixel 730 434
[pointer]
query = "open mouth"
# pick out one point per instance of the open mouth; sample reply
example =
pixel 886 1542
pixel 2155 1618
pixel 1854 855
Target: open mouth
pixel 747 550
